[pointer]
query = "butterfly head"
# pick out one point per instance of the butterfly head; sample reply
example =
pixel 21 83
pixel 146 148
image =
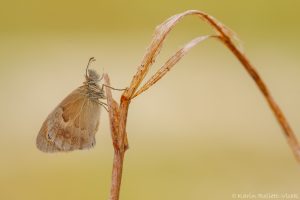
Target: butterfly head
pixel 91 76
pixel 93 90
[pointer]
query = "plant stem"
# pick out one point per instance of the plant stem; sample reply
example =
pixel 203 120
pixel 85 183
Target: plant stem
pixel 117 175
pixel 117 117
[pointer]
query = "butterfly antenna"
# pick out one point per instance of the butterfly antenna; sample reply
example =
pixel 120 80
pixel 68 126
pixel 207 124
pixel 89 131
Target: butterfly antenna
pixel 92 59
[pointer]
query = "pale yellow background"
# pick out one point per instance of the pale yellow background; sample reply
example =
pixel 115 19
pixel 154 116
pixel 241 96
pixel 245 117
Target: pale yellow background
pixel 203 132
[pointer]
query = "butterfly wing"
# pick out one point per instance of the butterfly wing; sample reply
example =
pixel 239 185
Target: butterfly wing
pixel 71 125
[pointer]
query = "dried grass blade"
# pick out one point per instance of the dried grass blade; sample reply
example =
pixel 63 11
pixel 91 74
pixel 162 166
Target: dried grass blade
pixel 170 63
pixel 159 36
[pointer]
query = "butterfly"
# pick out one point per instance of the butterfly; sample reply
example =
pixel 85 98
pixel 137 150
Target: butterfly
pixel 74 122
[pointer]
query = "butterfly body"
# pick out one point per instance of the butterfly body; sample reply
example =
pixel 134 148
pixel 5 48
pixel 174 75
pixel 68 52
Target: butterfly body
pixel 74 122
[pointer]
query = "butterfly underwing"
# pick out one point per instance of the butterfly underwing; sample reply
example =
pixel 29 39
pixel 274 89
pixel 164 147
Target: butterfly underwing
pixel 74 122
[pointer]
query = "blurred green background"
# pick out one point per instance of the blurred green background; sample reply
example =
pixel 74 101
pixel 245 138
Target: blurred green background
pixel 202 132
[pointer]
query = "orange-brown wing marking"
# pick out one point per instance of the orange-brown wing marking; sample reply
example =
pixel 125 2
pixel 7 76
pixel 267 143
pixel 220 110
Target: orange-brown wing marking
pixel 72 124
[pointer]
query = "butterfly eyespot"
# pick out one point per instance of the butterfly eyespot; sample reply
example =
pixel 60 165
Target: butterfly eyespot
pixel 49 137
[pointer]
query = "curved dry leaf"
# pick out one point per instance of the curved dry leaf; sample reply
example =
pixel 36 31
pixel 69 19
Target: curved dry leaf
pixel 170 63
pixel 159 36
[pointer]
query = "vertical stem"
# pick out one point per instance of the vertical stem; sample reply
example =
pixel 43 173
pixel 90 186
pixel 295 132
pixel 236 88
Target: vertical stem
pixel 116 175
pixel 118 118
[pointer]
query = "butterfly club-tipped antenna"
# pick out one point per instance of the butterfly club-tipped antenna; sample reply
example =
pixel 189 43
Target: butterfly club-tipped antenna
pixel 92 59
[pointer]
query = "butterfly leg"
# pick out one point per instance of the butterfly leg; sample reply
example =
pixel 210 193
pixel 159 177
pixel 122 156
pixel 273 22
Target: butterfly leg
pixel 104 105
pixel 103 85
